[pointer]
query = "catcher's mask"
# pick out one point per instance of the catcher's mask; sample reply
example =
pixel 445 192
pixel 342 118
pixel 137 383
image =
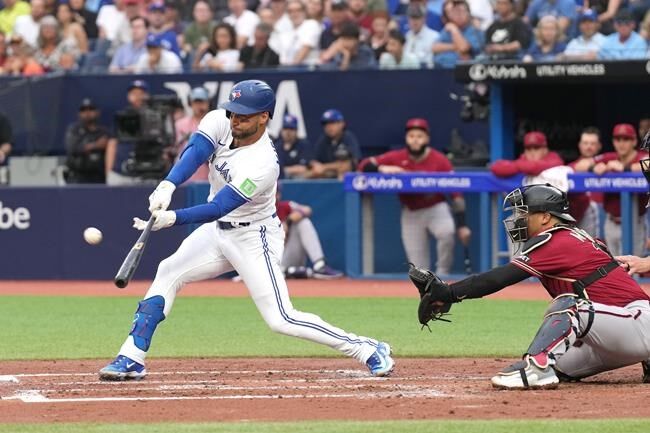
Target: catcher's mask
pixel 532 199
pixel 645 163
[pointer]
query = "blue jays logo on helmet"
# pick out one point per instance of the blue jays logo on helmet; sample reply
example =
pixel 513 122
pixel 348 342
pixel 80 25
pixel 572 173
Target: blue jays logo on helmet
pixel 250 97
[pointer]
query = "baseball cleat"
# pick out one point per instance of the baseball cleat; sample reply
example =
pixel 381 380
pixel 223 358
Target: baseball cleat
pixel 123 368
pixel 380 363
pixel 327 273
pixel 526 375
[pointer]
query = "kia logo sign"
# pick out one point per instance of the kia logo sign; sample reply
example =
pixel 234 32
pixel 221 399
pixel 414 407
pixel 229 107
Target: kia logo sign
pixel 480 72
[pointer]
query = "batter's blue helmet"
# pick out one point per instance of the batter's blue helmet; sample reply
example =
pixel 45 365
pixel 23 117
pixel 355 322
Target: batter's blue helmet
pixel 250 97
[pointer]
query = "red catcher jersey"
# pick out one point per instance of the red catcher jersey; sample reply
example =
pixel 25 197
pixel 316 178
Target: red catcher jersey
pixel 612 201
pixel 283 209
pixel 561 255
pixel 434 162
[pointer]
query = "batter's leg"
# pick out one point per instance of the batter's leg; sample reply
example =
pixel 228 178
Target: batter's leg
pixel 255 254
pixel 415 237
pixel 198 258
pixel 441 225
pixel 613 236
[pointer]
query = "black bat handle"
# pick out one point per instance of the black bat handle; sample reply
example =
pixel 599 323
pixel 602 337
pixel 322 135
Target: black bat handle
pixel 132 260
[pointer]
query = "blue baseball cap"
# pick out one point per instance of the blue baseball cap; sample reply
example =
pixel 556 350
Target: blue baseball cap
pixel 289 121
pixel 199 94
pixel 154 41
pixel 139 84
pixel 588 15
pixel 332 115
pixel 156 7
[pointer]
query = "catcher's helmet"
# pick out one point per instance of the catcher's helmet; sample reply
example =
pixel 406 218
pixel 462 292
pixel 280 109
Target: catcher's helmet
pixel 531 199
pixel 250 97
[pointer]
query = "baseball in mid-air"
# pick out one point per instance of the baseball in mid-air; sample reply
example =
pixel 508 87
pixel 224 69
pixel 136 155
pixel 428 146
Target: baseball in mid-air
pixel 93 235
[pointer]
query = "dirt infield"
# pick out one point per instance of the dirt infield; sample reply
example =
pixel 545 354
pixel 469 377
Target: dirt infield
pixel 200 390
pixel 294 389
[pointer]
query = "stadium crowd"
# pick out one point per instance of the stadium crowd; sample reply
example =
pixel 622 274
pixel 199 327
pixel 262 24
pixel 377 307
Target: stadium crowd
pixel 170 36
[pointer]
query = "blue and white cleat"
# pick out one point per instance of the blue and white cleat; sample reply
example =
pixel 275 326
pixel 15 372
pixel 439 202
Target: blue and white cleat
pixel 123 368
pixel 380 363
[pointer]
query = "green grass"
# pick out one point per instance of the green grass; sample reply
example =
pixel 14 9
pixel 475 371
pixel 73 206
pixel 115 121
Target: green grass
pixel 536 426
pixel 90 327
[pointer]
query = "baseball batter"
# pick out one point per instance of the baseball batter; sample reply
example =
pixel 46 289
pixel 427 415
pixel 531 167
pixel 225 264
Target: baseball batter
pixel 240 231
pixel 599 318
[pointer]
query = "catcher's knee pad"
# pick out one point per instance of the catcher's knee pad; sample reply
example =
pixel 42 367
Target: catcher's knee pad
pixel 148 315
pixel 557 332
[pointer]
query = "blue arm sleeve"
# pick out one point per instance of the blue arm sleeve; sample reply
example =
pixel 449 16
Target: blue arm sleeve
pixel 198 150
pixel 223 203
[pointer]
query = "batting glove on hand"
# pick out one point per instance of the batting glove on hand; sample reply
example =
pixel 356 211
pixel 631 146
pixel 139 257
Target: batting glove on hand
pixel 163 219
pixel 161 196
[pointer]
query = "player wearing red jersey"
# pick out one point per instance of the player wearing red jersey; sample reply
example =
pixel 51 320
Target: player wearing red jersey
pixel 424 214
pixel 599 318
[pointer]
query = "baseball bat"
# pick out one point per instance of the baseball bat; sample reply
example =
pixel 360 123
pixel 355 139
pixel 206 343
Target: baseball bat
pixel 132 260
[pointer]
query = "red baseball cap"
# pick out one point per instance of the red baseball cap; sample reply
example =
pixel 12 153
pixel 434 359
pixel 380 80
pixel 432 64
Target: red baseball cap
pixel 418 123
pixel 535 139
pixel 624 130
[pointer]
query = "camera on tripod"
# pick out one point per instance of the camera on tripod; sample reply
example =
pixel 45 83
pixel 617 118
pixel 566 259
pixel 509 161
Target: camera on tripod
pixel 150 129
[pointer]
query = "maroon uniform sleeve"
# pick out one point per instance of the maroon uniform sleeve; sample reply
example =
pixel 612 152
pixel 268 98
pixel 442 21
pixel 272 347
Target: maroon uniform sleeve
pixel 283 208
pixel 504 168
pixel 388 158
pixel 534 168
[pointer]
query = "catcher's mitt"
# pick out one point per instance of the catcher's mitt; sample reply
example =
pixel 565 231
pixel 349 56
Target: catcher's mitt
pixel 435 295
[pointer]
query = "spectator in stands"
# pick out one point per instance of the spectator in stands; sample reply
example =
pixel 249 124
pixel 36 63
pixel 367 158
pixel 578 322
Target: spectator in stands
pixel 508 36
pixel 547 46
pixel 360 14
pixel 301 242
pixel 625 43
pixel 55 53
pixel 316 11
pixel 126 57
pixel 21 62
pixel 459 40
pixel 85 17
pixel 299 46
pixel 118 154
pixel 424 214
pixel 197 35
pixel 85 144
pixel 70 28
pixel 338 15
pixel 337 151
pixel 281 19
pixel 584 206
pixel 5 148
pixel 420 38
pixel 588 44
pixel 110 19
pixel 157 26
pixel 348 52
pixel 294 153
pixel 535 159
pixel 4 52
pixel 380 34
pixel 606 10
pixel 200 105
pixel 173 20
pixel 482 13
pixel 564 10
pixel 259 55
pixel 624 158
pixel 158 59
pixel 131 10
pixel 11 11
pixel 644 125
pixel 222 55
pixel 395 57
pixel 432 10
pixel 243 20
pixel 644 27
pixel 27 25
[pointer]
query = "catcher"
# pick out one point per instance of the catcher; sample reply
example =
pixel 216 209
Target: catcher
pixel 599 318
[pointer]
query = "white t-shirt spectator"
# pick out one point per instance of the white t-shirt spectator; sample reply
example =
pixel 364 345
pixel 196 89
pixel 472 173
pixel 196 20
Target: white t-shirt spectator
pixel 26 27
pixel 169 64
pixel 290 43
pixel 229 60
pixel 245 24
pixel 111 20
pixel 482 11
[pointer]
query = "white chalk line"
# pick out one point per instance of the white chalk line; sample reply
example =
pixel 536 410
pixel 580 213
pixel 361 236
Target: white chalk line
pixel 35 396
pixel 8 378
